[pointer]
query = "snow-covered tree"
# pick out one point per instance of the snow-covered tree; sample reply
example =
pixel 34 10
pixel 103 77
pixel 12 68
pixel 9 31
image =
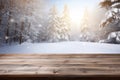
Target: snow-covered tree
pixel 53 25
pixel 59 26
pixel 113 13
pixel 20 20
pixel 112 19
pixel 6 15
pixel 65 24
pixel 84 27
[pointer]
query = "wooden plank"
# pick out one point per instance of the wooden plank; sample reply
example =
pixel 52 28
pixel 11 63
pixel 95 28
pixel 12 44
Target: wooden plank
pixel 61 61
pixel 58 55
pixel 60 64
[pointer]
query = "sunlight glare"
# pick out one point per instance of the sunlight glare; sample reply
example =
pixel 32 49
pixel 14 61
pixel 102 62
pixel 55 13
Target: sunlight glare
pixel 75 16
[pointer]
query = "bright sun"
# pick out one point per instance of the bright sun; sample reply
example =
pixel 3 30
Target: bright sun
pixel 76 14
pixel 75 17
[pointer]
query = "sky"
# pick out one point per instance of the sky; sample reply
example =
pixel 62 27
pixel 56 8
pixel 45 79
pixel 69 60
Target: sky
pixel 76 7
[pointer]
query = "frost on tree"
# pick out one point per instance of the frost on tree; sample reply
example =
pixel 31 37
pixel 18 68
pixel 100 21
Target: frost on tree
pixel 58 27
pixel 112 19
pixel 6 19
pixel 53 25
pixel 84 27
pixel 65 24
pixel 113 13
pixel 20 20
pixel 8 22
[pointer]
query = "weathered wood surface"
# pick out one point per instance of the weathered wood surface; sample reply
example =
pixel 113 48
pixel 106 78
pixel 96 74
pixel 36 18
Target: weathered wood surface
pixel 41 65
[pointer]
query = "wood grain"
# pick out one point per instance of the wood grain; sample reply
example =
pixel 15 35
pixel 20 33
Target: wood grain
pixel 59 65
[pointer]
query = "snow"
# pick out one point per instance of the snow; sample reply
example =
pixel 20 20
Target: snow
pixel 62 47
pixel 116 5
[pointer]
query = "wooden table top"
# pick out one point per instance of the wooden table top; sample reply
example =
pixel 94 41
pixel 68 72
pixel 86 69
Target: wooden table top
pixel 59 65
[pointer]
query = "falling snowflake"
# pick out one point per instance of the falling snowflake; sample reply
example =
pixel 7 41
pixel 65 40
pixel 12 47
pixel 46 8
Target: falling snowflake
pixel 39 25
pixel 6 37
pixel 12 20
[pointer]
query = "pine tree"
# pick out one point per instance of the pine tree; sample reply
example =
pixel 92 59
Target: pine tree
pixel 53 25
pixel 84 27
pixel 13 13
pixel 65 24
pixel 59 27
pixel 113 13
pixel 112 19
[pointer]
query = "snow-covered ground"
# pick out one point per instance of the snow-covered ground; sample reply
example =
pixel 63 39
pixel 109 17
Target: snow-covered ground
pixel 62 47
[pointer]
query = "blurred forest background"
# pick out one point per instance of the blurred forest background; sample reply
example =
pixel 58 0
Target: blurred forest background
pixel 37 21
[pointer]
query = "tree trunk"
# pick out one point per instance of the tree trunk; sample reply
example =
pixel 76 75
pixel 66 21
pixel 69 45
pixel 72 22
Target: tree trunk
pixel 7 34
pixel 15 32
pixel 21 36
